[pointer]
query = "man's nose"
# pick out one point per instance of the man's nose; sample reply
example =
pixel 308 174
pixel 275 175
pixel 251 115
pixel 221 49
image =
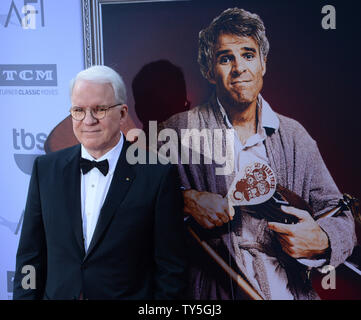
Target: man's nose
pixel 89 119
pixel 239 65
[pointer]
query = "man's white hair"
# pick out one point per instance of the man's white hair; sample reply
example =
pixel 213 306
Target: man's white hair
pixel 103 74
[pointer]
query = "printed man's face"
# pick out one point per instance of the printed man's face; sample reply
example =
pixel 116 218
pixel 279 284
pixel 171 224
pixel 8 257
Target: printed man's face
pixel 261 188
pixel 238 71
pixel 258 175
pixel 250 180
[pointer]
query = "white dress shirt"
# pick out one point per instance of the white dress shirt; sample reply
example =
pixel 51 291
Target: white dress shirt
pixel 94 188
pixel 254 149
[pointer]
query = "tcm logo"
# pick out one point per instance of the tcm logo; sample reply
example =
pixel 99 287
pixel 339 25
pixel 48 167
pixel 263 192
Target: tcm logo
pixel 25 14
pixel 27 141
pixel 28 75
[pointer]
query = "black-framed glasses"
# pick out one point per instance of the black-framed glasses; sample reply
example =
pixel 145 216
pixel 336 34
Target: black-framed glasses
pixel 99 112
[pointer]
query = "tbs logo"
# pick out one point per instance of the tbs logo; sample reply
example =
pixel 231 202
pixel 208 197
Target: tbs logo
pixel 25 13
pixel 27 141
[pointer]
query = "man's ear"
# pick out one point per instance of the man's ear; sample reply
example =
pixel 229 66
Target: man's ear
pixel 210 77
pixel 123 111
pixel 264 66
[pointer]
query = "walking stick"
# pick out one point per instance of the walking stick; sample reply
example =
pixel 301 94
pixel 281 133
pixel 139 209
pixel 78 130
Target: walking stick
pixel 244 285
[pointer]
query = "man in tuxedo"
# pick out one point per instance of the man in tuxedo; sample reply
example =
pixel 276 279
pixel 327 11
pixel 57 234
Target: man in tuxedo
pixel 96 227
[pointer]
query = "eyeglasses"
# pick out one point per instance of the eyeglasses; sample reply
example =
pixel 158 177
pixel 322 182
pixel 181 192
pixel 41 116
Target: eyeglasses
pixel 99 112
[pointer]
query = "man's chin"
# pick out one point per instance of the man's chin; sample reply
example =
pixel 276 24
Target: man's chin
pixel 237 100
pixel 91 145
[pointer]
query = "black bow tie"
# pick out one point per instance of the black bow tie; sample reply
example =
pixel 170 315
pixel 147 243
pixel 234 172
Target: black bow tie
pixel 86 165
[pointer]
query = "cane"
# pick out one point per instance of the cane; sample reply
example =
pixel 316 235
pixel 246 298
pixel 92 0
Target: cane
pixel 244 285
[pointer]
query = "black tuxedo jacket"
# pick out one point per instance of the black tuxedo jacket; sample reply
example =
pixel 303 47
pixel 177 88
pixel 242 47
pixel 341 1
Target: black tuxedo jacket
pixel 137 249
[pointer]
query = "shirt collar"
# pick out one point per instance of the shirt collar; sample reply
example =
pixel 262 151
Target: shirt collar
pixel 267 118
pixel 112 155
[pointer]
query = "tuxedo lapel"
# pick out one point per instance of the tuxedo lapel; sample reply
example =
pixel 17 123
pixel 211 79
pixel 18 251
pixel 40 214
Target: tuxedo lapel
pixel 72 196
pixel 121 182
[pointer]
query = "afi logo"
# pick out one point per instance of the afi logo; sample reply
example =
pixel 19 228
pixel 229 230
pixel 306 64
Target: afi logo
pixel 27 15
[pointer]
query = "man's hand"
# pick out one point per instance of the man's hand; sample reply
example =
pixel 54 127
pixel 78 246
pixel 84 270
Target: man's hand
pixel 208 209
pixel 304 239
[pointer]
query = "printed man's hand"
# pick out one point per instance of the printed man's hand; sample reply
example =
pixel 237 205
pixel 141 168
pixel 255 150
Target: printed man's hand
pixel 304 239
pixel 208 209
